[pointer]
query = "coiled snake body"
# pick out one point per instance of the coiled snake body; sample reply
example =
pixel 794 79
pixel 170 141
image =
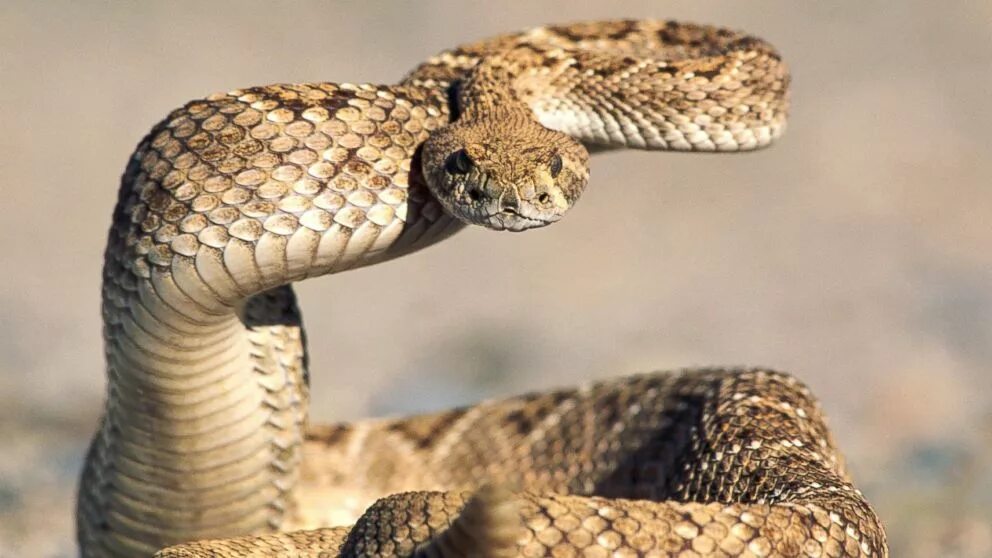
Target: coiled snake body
pixel 233 197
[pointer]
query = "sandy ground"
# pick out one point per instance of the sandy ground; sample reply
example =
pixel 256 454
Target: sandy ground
pixel 855 253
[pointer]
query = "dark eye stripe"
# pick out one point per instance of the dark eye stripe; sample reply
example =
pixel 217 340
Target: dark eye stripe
pixel 459 162
pixel 555 165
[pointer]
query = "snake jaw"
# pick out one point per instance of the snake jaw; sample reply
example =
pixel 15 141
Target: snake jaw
pixel 514 222
pixel 496 214
pixel 504 208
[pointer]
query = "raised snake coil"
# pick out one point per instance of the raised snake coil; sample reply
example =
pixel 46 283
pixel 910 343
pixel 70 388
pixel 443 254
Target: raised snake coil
pixel 233 197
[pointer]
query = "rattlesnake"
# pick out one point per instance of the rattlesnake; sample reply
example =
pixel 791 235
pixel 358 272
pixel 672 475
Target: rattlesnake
pixel 233 197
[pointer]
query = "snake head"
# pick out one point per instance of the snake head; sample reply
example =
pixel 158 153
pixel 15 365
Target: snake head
pixel 505 173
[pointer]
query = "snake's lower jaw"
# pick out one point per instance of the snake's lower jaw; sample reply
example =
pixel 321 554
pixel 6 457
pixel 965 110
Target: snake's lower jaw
pixel 489 216
pixel 515 224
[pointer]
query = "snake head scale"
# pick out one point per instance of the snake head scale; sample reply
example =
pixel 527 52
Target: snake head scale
pixel 505 173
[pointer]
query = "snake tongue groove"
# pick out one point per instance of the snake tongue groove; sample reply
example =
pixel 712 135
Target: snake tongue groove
pixel 204 442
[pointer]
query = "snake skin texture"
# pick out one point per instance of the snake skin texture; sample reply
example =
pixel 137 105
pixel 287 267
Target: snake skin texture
pixel 232 198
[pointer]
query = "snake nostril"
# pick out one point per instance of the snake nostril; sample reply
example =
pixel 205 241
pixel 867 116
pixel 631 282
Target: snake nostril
pixel 544 198
pixel 509 205
pixel 474 195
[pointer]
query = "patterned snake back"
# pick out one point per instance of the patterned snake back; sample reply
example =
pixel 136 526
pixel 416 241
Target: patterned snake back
pixel 233 197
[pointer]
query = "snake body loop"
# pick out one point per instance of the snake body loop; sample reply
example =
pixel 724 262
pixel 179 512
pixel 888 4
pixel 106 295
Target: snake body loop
pixel 232 198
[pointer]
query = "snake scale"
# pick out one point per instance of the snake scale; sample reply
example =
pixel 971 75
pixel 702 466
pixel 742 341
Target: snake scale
pixel 231 198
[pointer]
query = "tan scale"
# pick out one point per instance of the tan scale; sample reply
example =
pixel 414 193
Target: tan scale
pixel 231 198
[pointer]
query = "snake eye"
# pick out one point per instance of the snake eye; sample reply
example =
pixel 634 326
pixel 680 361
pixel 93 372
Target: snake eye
pixel 459 162
pixel 555 165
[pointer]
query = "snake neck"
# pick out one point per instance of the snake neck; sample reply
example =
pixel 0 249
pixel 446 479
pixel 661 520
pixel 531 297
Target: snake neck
pixel 204 420
pixel 489 90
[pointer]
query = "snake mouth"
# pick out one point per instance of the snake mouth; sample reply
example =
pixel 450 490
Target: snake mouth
pixel 513 221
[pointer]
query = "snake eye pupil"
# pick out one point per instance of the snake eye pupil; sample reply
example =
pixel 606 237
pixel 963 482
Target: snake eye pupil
pixel 459 162
pixel 555 165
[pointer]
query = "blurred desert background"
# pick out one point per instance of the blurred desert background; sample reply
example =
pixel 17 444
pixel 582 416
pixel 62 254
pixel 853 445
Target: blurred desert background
pixel 855 253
